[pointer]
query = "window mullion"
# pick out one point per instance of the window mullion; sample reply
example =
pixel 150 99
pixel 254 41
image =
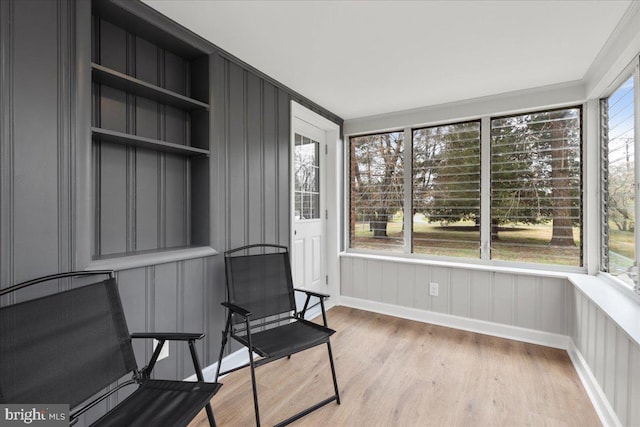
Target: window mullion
pixel 408 191
pixel 636 142
pixel 485 188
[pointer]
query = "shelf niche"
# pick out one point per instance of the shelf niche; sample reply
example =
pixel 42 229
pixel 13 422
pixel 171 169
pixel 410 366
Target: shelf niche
pixel 150 133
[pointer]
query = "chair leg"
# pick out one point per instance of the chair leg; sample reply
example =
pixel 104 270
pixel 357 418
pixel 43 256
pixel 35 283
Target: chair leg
pixel 333 373
pixel 196 365
pixel 255 389
pixel 225 334
pixel 256 407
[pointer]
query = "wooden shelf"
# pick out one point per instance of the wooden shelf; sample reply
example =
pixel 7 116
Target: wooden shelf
pixel 140 141
pixel 118 80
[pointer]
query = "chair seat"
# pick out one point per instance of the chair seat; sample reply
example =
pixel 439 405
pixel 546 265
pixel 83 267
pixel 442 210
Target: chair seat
pixel 155 402
pixel 287 339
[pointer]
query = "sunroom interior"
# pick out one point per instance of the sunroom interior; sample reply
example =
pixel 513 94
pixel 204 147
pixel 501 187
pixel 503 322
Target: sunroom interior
pixel 470 165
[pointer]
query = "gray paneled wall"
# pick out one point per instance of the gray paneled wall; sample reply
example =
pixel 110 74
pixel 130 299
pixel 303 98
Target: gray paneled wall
pixel 510 299
pixel 37 115
pixel 251 140
pixel 612 356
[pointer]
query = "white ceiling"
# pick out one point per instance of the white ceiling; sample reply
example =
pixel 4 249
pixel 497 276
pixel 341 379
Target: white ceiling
pixel 361 58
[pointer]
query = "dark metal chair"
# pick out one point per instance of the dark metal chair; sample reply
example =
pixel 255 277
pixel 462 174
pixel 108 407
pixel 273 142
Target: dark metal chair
pixel 67 347
pixel 262 314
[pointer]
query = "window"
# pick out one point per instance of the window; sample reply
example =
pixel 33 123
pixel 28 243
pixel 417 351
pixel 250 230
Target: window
pixel 446 190
pixel 526 206
pixel 619 176
pixel 377 195
pixel 536 187
pixel 307 182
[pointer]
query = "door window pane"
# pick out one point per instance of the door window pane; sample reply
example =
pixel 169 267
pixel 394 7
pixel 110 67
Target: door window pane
pixel 307 178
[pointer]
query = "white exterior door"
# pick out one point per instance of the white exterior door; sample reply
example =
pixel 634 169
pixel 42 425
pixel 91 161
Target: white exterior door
pixel 308 252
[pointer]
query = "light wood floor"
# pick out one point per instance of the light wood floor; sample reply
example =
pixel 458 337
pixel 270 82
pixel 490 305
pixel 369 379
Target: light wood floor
pixel 396 372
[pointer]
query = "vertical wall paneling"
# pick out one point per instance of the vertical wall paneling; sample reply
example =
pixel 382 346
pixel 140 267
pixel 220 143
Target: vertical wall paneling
pixel 374 281
pixel 390 283
pixel 36 133
pixel 526 301
pixel 530 302
pixel 284 164
pixel 441 276
pixel 633 417
pixel 481 295
pixel 406 285
pixel 459 300
pixel 237 157
pixel 621 389
pixel 423 276
pixel 66 135
pixel 600 347
pixel 551 314
pixel 255 171
pixel 270 169
pixel 82 234
pixel 6 144
pixel 359 277
pixel 609 360
pixel 503 299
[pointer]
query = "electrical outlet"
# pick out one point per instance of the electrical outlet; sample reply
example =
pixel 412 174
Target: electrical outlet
pixel 433 289
pixel 164 353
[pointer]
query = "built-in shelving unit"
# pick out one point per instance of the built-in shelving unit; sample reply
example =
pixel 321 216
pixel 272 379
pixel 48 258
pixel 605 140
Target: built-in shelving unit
pixel 150 132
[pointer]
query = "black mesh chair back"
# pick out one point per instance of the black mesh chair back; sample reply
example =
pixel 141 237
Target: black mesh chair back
pixel 261 283
pixel 47 344
pixel 68 347
pixel 262 315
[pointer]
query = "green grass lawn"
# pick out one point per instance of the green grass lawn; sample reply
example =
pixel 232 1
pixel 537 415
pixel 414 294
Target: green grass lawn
pixel 521 243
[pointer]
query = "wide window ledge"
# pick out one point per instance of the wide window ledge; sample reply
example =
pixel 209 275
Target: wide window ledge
pixel 126 262
pixel 480 266
pixel 621 305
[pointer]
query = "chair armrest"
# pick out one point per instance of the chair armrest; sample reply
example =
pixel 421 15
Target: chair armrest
pixel 237 310
pixel 172 336
pixel 312 293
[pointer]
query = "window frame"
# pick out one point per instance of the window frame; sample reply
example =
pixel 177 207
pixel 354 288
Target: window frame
pixel 581 109
pixel 631 70
pixel 485 157
pixel 481 167
pixel 348 200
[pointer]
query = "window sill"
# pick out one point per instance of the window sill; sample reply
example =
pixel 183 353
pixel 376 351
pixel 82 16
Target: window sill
pixel 127 262
pixel 561 272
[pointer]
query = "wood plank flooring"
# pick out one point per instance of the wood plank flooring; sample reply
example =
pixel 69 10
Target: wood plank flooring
pixel 397 372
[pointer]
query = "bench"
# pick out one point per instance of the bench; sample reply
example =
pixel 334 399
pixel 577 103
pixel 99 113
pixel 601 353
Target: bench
pixel 73 347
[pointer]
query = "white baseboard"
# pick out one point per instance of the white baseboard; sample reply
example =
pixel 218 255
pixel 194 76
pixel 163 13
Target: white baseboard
pixel 235 359
pixel 600 403
pixel 599 400
pixel 466 324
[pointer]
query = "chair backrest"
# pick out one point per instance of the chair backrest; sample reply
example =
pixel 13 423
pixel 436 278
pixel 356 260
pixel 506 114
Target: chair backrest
pixel 260 282
pixel 65 347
